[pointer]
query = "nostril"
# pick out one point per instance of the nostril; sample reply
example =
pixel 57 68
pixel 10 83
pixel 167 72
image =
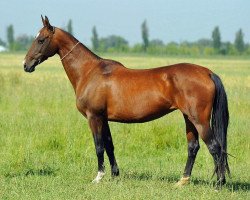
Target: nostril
pixel 25 68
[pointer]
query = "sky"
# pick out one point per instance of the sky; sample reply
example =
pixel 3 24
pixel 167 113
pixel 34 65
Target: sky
pixel 167 20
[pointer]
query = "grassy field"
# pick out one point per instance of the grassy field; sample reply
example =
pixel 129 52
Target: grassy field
pixel 47 152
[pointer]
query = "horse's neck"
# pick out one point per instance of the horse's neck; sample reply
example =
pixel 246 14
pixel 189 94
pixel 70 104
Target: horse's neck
pixel 77 59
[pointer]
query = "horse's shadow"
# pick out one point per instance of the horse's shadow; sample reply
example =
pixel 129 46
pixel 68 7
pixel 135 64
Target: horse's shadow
pixel 173 178
pixel 43 171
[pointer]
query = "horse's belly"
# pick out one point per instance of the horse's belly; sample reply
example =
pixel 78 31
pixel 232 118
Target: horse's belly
pixel 139 111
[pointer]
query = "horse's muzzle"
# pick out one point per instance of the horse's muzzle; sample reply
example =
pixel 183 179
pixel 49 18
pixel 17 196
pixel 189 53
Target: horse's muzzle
pixel 29 69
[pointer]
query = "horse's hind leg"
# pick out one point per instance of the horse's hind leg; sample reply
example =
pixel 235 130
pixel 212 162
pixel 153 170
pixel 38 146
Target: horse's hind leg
pixel 193 148
pixel 214 148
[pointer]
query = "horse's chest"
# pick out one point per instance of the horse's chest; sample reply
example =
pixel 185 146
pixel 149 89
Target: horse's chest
pixel 90 104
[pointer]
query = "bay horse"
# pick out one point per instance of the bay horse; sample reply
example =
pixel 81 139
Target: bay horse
pixel 108 91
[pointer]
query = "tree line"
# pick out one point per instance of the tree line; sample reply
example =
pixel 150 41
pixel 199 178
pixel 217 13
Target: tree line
pixel 210 46
pixel 116 43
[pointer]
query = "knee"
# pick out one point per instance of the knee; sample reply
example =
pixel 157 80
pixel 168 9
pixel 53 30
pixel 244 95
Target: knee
pixel 193 148
pixel 99 150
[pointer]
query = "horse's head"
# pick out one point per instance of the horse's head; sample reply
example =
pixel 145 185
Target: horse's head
pixel 43 46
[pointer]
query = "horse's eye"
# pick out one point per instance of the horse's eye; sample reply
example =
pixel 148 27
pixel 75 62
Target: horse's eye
pixel 40 41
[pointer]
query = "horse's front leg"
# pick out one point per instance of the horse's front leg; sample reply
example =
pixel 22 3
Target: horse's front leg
pixel 96 126
pixel 109 147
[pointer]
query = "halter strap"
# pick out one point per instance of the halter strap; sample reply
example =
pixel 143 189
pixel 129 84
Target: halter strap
pixel 70 51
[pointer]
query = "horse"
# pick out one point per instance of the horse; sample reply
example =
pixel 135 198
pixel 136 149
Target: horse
pixel 108 91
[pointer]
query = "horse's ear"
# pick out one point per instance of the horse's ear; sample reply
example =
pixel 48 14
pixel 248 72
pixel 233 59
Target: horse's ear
pixel 47 24
pixel 43 20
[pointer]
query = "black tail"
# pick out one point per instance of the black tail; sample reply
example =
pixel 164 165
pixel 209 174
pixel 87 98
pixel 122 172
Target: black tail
pixel 220 120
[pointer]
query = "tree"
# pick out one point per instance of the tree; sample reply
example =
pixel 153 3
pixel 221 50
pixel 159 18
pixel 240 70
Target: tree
pixel 204 43
pixel 239 41
pixel 144 31
pixel 2 43
pixel 216 38
pixel 113 42
pixel 156 42
pixel 69 27
pixel 10 36
pixel 23 42
pixel 94 39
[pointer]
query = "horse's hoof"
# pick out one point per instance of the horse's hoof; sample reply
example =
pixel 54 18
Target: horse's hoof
pixel 115 172
pixel 183 181
pixel 99 177
pixel 220 182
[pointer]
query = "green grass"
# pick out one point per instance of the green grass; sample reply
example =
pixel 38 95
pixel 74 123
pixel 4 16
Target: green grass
pixel 47 151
